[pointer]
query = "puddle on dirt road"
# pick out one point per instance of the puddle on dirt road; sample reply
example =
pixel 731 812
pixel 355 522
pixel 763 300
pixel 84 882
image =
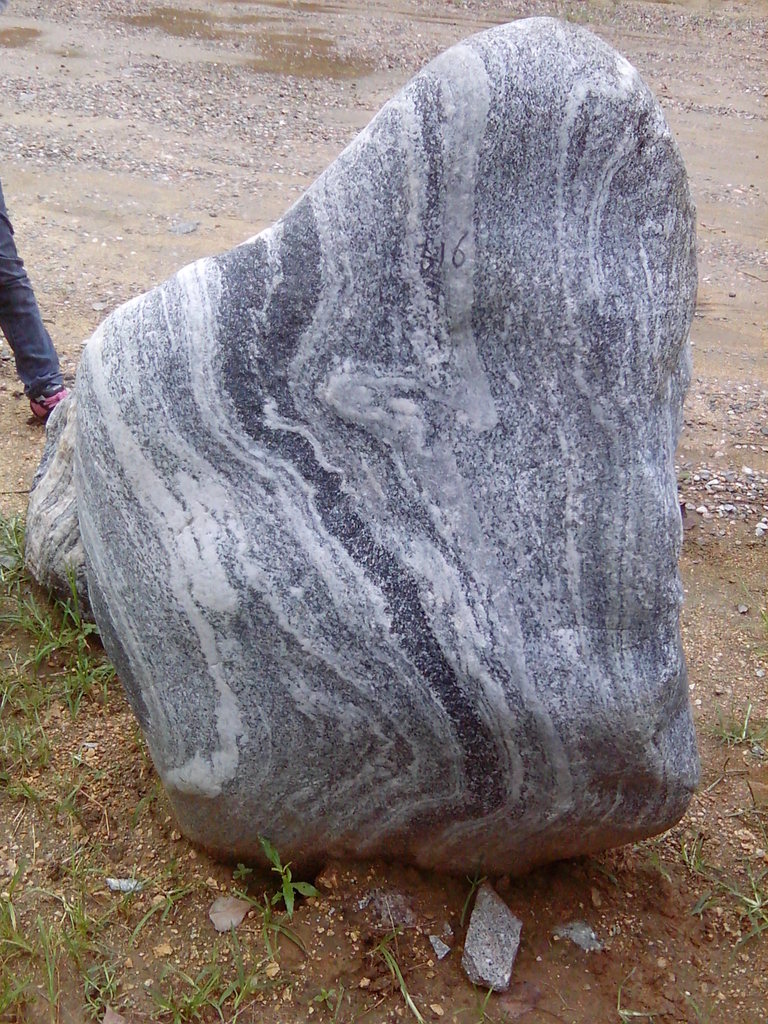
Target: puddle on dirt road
pixel 14 37
pixel 176 22
pixel 305 55
pixel 310 6
pixel 301 53
pixel 486 19
pixel 699 6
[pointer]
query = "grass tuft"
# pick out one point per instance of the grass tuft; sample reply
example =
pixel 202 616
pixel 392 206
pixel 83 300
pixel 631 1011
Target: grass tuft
pixel 384 951
pixel 738 728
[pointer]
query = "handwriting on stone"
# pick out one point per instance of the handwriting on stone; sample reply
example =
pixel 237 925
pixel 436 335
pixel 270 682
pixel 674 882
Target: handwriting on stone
pixel 433 255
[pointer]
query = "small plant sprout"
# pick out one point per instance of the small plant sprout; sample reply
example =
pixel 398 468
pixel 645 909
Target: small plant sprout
pixel 691 851
pixel 241 873
pixel 288 888
pixel 474 885
pixel 482 1007
pixel 654 861
pixel 331 1000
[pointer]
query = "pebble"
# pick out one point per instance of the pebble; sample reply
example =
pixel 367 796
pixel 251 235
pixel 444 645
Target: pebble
pixel 184 227
pixel 582 934
pixel 492 942
pixel 392 908
pixel 442 949
pixel 124 884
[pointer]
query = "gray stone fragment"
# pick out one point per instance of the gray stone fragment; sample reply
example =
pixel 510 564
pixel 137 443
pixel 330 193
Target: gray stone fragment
pixel 184 227
pixel 379 509
pixel 442 949
pixel 492 941
pixel 124 885
pixel 391 908
pixel 582 934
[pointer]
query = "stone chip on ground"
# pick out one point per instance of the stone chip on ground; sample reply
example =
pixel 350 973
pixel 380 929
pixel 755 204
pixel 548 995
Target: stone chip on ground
pixel 580 933
pixel 441 948
pixel 393 909
pixel 492 942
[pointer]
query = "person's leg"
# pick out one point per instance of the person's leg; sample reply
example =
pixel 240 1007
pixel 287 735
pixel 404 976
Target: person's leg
pixel 36 361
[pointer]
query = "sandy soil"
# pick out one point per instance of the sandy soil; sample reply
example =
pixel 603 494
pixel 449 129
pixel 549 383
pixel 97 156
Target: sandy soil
pixel 136 137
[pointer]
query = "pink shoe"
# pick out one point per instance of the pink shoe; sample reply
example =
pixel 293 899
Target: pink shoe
pixel 43 405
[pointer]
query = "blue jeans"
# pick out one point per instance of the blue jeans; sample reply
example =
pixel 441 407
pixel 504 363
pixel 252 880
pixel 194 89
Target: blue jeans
pixel 36 361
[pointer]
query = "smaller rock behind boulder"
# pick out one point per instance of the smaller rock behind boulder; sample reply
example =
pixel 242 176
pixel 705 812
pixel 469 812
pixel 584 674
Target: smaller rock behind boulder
pixel 53 550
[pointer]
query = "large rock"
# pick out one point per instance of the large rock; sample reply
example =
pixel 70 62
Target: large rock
pixel 379 509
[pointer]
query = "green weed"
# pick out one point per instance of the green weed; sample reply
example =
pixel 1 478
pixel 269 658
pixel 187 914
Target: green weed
pixel 272 928
pixel 151 798
pixel 49 949
pixel 187 998
pixel 162 907
pixel 331 999
pixel 13 943
pixel 702 1015
pixel 241 873
pixel 211 991
pixel 474 885
pixel 14 993
pixel 751 903
pixel 763 648
pixel 23 745
pixel 653 859
pixel 691 851
pixel 482 1007
pixel 288 888
pixel 238 993
pixel 383 950
pixel 12 570
pixel 738 728
pixel 100 988
pixel 55 635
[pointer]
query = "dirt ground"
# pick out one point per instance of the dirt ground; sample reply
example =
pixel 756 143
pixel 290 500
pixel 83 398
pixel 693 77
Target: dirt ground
pixel 138 136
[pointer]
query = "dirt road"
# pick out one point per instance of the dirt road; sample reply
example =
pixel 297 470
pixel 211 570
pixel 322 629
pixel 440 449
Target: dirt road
pixel 136 137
